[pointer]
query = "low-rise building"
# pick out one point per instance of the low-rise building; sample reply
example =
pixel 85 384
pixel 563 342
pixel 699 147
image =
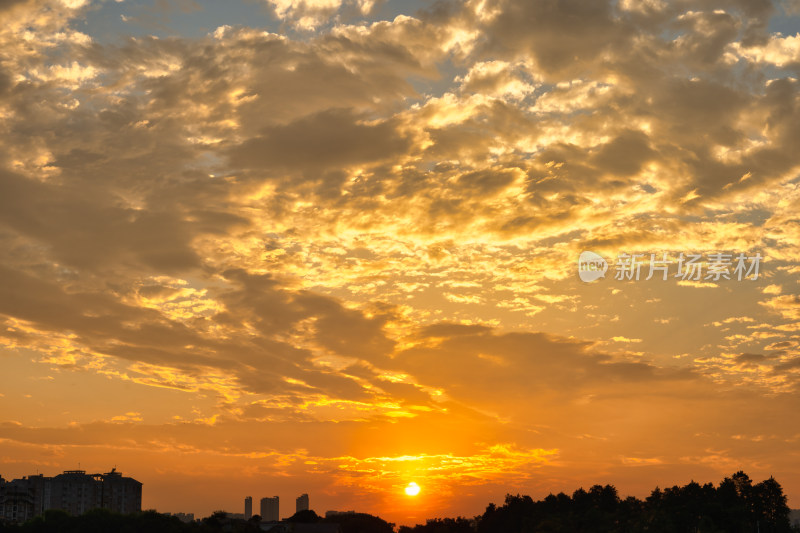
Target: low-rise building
pixel 186 518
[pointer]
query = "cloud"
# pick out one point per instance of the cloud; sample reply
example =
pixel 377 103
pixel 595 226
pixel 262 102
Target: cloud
pixel 561 37
pixel 309 14
pixel 333 138
pixel 788 306
pixel 779 51
pixel 467 362
pixel 359 236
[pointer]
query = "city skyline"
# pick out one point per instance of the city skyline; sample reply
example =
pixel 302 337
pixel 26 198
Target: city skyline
pixel 76 493
pixel 737 501
pixel 12 489
pixel 72 491
pixel 403 256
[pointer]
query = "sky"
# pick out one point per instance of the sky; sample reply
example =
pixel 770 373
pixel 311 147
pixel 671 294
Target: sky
pixel 270 247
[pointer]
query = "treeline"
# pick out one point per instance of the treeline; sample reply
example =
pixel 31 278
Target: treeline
pixel 105 521
pixel 735 506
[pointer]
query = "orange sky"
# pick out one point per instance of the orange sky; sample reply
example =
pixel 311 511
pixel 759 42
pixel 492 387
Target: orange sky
pixel 331 246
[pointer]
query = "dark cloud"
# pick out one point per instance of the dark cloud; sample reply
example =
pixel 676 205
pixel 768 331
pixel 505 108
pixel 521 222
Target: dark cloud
pixel 330 138
pixel 752 358
pixel 485 182
pixel 706 35
pixel 563 36
pixel 87 229
pixel 625 154
pixel 469 362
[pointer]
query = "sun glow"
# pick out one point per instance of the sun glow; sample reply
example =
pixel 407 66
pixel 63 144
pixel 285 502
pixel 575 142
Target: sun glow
pixel 412 489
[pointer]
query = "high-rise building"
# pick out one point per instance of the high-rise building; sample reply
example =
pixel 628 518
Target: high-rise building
pixel 73 491
pixel 248 507
pixel 18 500
pixel 302 503
pixel 269 509
pixel 120 494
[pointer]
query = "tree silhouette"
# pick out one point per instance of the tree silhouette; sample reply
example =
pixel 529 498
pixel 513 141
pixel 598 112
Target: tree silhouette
pixel 441 525
pixel 772 513
pixel 306 516
pixel 359 523
pixel 735 506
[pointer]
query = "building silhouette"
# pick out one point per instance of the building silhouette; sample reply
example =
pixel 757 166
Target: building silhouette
pixel 248 507
pixel 301 503
pixel 73 491
pixel 186 518
pixel 270 509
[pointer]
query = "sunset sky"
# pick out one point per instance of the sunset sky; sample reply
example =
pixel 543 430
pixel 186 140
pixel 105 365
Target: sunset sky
pixel 268 247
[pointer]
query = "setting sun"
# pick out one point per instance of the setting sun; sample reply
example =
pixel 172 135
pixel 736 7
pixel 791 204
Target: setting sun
pixel 412 489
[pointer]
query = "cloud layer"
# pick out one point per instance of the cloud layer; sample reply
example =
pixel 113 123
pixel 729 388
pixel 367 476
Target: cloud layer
pixel 337 246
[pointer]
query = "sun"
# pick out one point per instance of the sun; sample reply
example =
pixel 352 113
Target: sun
pixel 412 489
